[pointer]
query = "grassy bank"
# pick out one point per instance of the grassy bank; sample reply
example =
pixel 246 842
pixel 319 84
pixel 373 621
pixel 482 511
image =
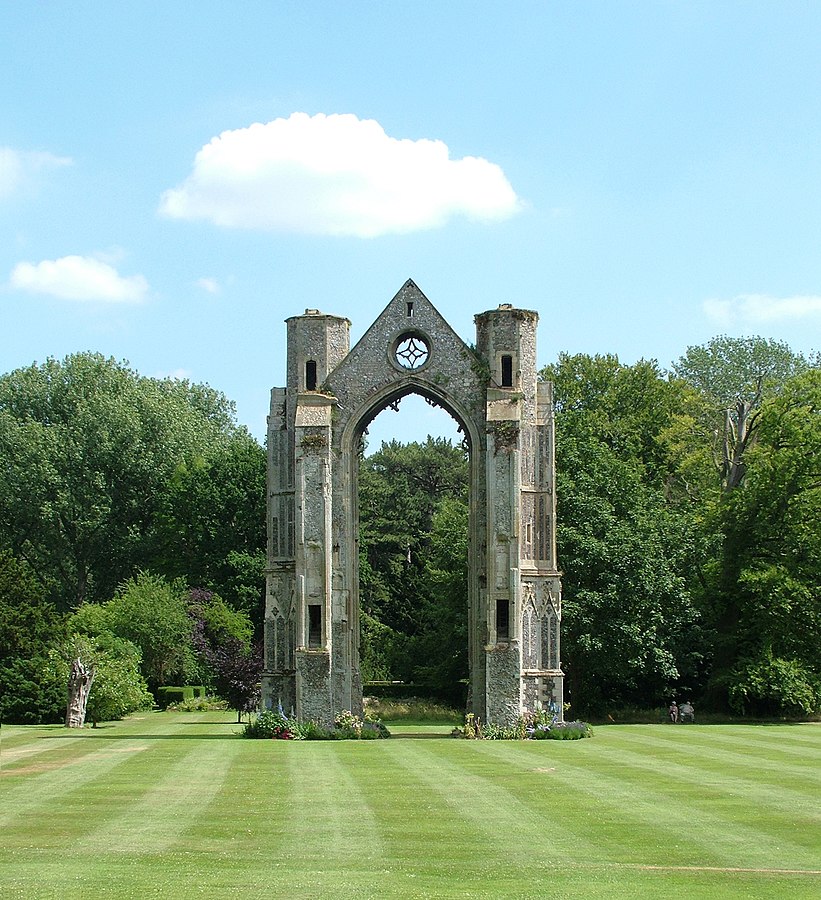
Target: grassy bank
pixel 178 805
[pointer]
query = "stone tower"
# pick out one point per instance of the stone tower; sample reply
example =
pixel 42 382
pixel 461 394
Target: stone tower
pixel 315 430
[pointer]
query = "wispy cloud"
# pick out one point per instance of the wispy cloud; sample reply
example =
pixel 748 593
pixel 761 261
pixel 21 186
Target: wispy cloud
pixel 757 309
pixel 17 167
pixel 335 175
pixel 80 278
pixel 209 285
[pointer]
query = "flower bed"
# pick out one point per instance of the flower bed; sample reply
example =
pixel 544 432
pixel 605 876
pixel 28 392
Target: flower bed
pixel 539 727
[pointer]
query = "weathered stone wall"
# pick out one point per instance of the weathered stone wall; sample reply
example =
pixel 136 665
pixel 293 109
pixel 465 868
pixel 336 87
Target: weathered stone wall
pixel 315 431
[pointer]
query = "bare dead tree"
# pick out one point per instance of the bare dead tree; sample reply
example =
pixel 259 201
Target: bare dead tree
pixel 80 679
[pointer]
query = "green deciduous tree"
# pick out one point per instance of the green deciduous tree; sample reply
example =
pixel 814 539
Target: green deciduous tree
pixel 737 383
pixel 413 581
pixel 211 528
pixel 768 599
pixel 441 644
pixel 630 630
pixel 152 613
pixel 733 376
pixel 89 451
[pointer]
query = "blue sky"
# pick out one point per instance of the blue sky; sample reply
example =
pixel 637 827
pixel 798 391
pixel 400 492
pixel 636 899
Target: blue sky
pixel 178 178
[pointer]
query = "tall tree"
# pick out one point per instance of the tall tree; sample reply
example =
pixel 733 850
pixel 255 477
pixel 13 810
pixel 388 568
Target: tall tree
pixel 630 629
pixel 210 529
pixel 152 613
pixel 89 448
pixel 733 376
pixel 769 598
pixel 734 380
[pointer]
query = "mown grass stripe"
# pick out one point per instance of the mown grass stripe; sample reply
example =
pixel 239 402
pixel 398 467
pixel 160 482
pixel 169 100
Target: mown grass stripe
pixel 698 823
pixel 329 820
pixel 780 741
pixel 438 829
pixel 91 769
pixel 174 801
pixel 736 773
pixel 512 827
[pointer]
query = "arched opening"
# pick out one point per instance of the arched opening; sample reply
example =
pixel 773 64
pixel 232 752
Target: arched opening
pixel 412 504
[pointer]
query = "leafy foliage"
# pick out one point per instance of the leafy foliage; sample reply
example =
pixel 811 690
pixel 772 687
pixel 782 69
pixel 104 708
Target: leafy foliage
pixel 542 726
pixel 95 457
pixel 630 629
pixel 210 529
pixel 29 626
pixel 767 606
pixel 221 637
pixel 152 613
pixel 732 377
pixel 413 566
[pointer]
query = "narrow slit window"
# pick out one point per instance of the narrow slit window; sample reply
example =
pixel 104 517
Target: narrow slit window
pixel 310 375
pixel 314 625
pixel 507 371
pixel 410 309
pixel 502 620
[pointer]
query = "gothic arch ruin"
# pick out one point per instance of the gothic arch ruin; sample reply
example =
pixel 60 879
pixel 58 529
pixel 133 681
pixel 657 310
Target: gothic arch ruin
pixel 315 430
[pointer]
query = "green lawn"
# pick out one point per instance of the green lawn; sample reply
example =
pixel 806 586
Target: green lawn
pixel 178 805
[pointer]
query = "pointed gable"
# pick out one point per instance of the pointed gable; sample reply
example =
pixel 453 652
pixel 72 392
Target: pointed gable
pixel 409 341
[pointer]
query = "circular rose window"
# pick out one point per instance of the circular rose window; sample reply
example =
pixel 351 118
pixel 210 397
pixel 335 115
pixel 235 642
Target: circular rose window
pixel 412 351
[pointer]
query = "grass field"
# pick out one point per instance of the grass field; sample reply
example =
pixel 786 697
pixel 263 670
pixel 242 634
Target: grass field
pixel 179 805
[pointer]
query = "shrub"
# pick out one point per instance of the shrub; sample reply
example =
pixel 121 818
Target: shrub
pixel 30 694
pixel 561 731
pixel 178 694
pixel 772 686
pixel 347 727
pixel 198 704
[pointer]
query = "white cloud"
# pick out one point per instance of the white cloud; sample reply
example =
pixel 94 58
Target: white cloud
pixel 78 278
pixel 755 309
pixel 209 285
pixel 337 175
pixel 17 167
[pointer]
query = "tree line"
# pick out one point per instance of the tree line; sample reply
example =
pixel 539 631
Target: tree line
pixel 132 530
pixel 688 532
pixel 132 535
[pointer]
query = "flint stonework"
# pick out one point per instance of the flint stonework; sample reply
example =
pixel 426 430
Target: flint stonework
pixel 315 431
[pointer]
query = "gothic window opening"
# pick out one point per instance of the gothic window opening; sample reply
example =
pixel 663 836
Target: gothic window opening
pixel 314 625
pixel 502 620
pixel 310 375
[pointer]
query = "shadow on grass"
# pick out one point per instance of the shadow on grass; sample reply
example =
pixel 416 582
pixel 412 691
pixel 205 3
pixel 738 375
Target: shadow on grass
pixel 97 734
pixel 420 736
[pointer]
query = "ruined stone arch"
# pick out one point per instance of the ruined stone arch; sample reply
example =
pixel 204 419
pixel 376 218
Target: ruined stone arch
pixel 314 431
